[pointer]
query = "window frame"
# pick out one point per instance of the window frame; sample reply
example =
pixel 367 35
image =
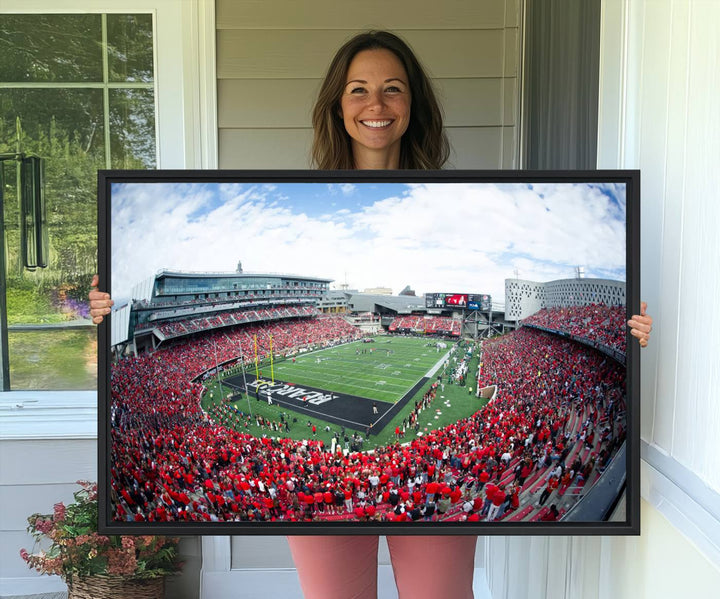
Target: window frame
pixel 185 117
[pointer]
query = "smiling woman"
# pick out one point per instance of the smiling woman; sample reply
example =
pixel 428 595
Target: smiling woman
pixel 375 108
pixel 371 83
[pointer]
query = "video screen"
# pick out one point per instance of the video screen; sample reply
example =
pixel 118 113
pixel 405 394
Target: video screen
pixel 398 352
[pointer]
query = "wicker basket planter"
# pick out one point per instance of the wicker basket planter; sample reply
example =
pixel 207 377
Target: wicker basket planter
pixel 116 587
pixel 67 544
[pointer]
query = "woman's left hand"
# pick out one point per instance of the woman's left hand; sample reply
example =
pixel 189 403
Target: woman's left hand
pixel 100 302
pixel 641 325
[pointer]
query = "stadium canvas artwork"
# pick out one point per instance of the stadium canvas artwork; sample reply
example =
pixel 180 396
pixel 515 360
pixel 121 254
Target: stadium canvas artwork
pixel 364 352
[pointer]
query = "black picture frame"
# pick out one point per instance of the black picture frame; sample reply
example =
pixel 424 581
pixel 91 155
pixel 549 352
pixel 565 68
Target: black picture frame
pixel 621 478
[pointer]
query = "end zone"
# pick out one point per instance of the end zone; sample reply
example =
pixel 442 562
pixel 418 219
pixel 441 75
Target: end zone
pixel 339 408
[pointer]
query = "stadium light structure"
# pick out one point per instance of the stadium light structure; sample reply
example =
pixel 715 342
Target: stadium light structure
pixel 242 367
pixel 217 370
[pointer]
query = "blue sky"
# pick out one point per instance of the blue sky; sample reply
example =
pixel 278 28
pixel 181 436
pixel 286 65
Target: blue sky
pixel 455 237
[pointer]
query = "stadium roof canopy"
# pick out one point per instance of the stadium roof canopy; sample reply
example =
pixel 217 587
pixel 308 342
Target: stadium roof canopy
pixel 235 275
pixel 402 304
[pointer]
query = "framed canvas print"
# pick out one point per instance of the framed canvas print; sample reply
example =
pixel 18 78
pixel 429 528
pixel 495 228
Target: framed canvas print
pixel 366 352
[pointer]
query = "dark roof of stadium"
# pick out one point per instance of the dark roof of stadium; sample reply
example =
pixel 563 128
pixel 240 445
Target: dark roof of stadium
pixel 402 304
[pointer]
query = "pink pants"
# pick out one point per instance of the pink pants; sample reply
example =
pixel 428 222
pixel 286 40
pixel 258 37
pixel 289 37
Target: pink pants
pixel 430 567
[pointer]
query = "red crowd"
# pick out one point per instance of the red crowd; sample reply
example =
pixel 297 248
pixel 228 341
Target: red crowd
pixel 203 352
pixel 555 412
pixel 430 325
pixel 596 322
pixel 223 319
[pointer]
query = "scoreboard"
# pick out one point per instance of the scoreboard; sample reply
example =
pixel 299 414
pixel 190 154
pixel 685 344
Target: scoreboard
pixel 464 301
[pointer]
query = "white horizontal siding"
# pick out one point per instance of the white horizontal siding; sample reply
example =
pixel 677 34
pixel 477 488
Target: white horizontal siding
pixel 253 54
pixel 471 147
pixel 340 14
pixel 271 58
pixel 288 103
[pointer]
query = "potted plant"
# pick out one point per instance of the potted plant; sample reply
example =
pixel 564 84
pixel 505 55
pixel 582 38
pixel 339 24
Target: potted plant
pixel 94 565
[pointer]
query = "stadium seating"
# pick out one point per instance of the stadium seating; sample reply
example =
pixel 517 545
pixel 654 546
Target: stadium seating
pixel 172 462
pixel 596 322
pixel 426 325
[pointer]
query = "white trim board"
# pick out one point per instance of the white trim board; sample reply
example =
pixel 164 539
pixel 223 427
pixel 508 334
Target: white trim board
pixel 690 506
pixel 27 415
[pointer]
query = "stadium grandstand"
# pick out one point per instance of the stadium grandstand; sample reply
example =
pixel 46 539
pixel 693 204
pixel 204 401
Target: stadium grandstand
pixel 175 304
pixel 524 298
pixel 591 311
pixel 553 427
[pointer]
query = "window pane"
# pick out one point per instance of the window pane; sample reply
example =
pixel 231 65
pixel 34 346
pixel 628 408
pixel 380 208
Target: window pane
pixel 65 127
pixel 130 48
pixel 50 48
pixel 51 118
pixel 54 359
pixel 132 128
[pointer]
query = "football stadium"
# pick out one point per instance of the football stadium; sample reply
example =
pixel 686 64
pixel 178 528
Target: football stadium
pixel 264 397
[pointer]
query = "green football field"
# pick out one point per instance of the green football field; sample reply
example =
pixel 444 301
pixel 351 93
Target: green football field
pixel 385 369
pixel 342 369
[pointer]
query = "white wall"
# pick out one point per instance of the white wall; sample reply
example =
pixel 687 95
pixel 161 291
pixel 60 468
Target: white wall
pixel 45 446
pixel 659 90
pixel 271 57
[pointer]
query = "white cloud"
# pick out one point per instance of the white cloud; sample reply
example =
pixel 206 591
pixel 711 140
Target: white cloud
pixel 435 237
pixel 347 188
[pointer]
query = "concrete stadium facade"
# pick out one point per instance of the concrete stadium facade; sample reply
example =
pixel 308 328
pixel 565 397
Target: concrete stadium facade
pixel 523 298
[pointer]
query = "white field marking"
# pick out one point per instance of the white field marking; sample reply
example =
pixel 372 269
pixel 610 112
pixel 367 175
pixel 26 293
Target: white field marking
pixel 326 373
pixel 438 366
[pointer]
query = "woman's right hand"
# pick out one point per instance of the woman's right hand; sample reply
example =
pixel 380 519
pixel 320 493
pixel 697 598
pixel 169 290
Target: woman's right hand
pixel 100 302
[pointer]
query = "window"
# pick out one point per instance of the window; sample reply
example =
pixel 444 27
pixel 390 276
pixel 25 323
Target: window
pixel 78 91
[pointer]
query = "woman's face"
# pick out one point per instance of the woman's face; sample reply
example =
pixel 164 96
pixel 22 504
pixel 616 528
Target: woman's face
pixel 375 107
